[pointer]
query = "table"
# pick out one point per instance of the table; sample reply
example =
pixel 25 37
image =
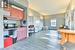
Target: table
pixel 67 36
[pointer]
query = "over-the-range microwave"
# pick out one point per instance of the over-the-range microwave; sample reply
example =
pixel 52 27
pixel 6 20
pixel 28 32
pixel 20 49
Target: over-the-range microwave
pixel 9 26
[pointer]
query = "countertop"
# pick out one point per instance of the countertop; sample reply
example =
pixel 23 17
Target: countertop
pixel 67 31
pixel 14 28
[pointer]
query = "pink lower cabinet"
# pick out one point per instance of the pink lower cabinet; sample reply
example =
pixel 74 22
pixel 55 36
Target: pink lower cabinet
pixel 21 33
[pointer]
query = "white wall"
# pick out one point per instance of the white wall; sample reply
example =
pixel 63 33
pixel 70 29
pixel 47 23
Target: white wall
pixel 1 28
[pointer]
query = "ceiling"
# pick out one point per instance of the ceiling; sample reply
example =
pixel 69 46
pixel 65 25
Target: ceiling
pixel 49 7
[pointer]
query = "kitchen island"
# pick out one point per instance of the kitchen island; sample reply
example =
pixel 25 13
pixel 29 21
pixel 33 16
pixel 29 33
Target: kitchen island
pixel 67 35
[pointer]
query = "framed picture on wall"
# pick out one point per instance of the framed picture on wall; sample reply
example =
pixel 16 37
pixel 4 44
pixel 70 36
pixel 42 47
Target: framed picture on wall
pixel 53 22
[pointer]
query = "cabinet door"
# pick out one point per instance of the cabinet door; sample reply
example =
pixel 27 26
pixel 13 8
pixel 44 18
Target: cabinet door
pixel 21 33
pixel 15 13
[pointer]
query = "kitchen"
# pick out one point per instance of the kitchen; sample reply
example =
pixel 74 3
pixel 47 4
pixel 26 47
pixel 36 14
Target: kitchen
pixel 14 22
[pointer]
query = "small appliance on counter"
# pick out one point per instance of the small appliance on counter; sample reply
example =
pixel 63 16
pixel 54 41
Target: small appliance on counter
pixel 66 27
